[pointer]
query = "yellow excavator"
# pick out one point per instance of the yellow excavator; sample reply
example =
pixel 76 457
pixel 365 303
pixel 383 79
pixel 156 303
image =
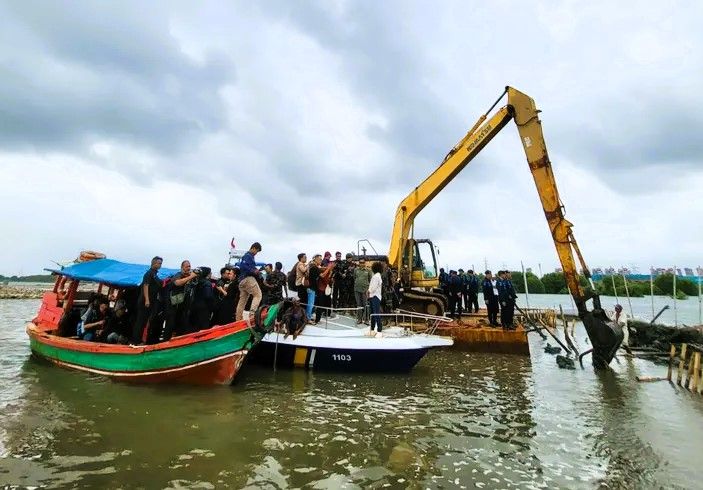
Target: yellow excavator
pixel 417 272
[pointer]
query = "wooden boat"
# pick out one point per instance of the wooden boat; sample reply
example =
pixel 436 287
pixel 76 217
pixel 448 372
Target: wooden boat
pixel 212 356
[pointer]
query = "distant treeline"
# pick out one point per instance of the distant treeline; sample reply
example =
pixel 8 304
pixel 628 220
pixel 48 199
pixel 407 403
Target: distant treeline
pixel 35 278
pixel 555 283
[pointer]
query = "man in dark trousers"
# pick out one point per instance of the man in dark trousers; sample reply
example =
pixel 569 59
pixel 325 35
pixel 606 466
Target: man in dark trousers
pixel 148 305
pixel 472 291
pixel 507 301
pixel 444 281
pixel 339 274
pixel 455 286
pixel 490 296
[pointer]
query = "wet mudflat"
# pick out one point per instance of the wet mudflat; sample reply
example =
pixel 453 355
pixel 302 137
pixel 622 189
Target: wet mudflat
pixel 458 420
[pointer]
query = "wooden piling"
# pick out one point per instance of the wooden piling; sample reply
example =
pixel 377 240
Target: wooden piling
pixel 682 361
pixel 696 371
pixel 689 373
pixel 672 355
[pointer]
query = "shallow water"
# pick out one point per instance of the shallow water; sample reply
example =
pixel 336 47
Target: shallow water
pixel 458 420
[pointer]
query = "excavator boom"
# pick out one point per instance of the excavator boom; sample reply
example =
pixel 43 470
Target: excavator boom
pixel 605 335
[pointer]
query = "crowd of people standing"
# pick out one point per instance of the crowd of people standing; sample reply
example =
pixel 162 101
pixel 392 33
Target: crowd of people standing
pixel 325 285
pixel 462 291
pixel 192 300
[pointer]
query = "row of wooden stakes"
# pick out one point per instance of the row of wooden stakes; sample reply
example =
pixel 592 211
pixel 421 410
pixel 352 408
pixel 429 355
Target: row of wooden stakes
pixel 688 365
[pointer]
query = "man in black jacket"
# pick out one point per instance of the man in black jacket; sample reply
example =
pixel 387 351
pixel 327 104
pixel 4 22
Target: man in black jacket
pixel 455 286
pixel 148 304
pixel 472 290
pixel 507 301
pixel 490 296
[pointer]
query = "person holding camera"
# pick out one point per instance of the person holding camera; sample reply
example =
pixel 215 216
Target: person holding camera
pixel 248 286
pixel 177 307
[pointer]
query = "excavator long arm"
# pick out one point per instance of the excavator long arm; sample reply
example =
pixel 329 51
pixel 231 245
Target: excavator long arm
pixel 521 108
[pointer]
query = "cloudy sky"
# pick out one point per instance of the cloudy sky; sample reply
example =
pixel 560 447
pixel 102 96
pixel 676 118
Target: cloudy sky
pixel 167 128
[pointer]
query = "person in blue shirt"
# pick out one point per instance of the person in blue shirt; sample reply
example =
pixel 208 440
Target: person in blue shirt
pixel 248 286
pixel 490 296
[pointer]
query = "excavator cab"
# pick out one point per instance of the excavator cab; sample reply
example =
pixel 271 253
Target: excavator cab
pixel 420 264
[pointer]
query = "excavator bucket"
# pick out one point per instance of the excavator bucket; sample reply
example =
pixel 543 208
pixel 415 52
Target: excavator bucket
pixel 606 337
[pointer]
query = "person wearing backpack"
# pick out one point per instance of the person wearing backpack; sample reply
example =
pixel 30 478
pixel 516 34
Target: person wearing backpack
pixel 290 281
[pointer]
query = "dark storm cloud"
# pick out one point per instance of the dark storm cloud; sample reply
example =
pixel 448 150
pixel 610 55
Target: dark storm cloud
pixel 652 132
pixel 80 72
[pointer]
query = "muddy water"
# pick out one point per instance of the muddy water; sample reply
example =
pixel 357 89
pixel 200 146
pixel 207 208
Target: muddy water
pixel 458 420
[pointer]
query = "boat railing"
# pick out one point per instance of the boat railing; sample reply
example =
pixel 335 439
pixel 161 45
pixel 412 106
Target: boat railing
pixel 400 318
pixel 330 311
pixel 403 317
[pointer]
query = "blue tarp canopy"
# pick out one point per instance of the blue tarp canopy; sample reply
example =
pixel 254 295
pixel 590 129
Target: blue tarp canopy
pixel 110 272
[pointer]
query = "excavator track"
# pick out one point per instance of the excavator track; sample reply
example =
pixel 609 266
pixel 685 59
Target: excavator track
pixel 424 302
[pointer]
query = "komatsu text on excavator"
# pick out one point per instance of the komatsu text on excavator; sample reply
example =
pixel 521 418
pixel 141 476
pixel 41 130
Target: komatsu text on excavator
pixel 418 272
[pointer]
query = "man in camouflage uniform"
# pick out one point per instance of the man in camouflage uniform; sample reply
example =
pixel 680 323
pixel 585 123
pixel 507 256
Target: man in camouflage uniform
pixel 276 285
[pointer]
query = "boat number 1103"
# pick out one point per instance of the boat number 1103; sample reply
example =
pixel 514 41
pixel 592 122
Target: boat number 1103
pixel 341 357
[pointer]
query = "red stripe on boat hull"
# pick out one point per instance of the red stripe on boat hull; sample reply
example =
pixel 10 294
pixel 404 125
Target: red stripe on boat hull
pixel 221 370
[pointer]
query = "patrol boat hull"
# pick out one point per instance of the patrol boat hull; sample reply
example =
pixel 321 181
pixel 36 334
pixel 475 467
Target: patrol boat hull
pixel 333 349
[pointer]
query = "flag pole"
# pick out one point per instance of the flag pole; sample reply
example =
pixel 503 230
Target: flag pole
pixel 651 287
pixel 700 298
pixel 627 292
pixel 527 291
pixel 615 291
pixel 676 318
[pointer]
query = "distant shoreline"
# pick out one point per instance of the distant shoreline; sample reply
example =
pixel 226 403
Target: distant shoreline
pixel 40 278
pixel 29 291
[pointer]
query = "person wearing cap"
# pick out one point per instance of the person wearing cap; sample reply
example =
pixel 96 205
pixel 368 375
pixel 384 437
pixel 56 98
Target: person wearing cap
pixel 248 286
pixel 117 328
